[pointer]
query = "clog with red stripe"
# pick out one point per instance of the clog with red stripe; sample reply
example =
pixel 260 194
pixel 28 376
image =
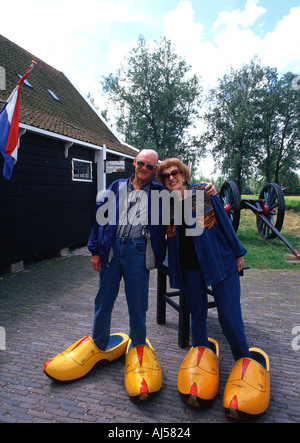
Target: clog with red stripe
pixel 198 376
pixel 143 374
pixel 247 391
pixel 77 360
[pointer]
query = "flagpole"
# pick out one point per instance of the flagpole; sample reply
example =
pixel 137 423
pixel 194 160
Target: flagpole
pixel 33 63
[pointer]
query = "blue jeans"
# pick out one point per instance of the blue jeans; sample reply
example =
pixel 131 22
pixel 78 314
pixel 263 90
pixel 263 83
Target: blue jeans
pixel 128 262
pixel 227 298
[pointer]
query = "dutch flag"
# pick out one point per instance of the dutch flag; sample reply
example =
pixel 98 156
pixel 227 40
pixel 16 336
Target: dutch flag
pixel 9 127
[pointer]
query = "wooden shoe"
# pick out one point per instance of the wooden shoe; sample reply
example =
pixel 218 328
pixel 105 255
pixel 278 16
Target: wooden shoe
pixel 247 392
pixel 198 376
pixel 143 375
pixel 77 360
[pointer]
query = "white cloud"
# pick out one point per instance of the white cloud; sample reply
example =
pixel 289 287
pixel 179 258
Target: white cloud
pixel 63 30
pixel 180 27
pixel 237 18
pixel 281 47
pixel 235 42
pixel 117 52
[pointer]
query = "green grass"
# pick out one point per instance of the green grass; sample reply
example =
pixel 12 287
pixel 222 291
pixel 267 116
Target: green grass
pixel 292 203
pixel 269 254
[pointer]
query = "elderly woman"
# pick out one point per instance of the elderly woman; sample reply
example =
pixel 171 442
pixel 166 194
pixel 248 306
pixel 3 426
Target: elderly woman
pixel 212 257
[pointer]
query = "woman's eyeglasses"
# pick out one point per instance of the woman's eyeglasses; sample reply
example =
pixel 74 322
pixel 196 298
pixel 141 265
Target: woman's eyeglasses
pixel 140 163
pixel 175 173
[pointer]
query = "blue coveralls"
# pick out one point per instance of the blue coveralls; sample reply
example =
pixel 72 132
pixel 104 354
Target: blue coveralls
pixel 215 251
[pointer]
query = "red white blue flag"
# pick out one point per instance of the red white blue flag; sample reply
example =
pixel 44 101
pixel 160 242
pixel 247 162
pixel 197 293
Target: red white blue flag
pixel 9 126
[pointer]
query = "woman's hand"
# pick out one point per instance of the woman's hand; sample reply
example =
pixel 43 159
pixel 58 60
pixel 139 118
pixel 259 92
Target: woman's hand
pixel 96 262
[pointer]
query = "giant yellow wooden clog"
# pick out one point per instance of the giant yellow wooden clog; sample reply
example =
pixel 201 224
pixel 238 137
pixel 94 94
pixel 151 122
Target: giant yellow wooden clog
pixel 247 392
pixel 77 360
pixel 198 376
pixel 143 375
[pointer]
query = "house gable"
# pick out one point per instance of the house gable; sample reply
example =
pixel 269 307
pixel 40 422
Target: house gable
pixel 50 102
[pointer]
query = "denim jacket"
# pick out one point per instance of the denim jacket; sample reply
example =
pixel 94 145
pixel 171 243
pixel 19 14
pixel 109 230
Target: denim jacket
pixel 103 235
pixel 217 247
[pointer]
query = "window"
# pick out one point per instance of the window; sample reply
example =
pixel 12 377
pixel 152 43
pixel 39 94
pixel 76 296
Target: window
pixel 82 170
pixel 72 126
pixel 26 82
pixel 53 95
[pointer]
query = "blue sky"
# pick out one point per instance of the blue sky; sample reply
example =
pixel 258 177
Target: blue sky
pixel 206 12
pixel 88 40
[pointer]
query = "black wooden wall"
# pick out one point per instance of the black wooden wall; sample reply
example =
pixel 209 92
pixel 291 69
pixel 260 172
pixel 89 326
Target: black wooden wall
pixel 41 209
pixel 129 170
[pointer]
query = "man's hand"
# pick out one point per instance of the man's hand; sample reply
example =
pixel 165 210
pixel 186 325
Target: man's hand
pixel 240 263
pixel 96 262
pixel 210 189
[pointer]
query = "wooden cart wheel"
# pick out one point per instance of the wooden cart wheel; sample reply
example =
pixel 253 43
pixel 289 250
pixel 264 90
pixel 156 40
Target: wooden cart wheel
pixel 231 199
pixel 273 208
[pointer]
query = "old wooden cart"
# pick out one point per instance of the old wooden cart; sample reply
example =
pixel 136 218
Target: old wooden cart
pixel 269 209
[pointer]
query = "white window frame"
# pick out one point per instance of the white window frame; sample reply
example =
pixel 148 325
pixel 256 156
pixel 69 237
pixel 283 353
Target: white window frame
pixel 77 179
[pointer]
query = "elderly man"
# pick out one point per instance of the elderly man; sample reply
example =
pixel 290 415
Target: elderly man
pixel 124 245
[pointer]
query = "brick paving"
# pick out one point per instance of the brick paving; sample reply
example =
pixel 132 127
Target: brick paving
pixel 49 305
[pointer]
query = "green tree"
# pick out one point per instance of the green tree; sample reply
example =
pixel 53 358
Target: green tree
pixel 253 122
pixel 157 99
pixel 265 136
pixel 288 151
pixel 230 121
pixel 277 127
